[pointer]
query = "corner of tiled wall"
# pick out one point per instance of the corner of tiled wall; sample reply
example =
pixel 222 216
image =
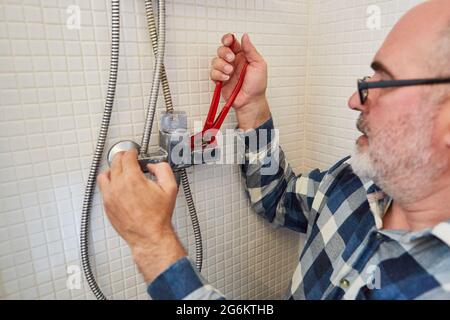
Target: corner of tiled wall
pixel 53 83
pixel 341 47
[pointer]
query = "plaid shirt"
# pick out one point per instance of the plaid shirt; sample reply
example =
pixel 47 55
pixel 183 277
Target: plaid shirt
pixel 347 254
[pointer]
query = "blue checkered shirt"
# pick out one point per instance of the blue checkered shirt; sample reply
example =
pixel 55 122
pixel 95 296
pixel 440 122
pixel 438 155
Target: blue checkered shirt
pixel 347 254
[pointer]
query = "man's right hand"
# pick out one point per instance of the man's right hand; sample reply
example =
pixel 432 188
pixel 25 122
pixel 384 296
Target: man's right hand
pixel 251 105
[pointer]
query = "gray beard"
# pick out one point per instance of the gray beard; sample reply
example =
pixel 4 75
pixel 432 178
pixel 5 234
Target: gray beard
pixel 400 159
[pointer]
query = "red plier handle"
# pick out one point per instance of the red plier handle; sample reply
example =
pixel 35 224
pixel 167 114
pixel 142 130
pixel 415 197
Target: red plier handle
pixel 210 123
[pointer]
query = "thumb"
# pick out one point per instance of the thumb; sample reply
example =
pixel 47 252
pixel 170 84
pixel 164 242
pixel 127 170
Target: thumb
pixel 164 176
pixel 250 52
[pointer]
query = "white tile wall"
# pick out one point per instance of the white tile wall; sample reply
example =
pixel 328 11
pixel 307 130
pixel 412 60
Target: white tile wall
pixel 340 51
pixel 53 85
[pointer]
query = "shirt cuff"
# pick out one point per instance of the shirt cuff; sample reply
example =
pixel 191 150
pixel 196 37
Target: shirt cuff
pixel 259 138
pixel 176 282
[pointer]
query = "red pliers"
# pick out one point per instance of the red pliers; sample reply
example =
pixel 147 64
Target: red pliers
pixel 210 123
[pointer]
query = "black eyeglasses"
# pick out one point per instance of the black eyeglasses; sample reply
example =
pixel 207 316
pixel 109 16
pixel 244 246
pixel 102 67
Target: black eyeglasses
pixel 364 85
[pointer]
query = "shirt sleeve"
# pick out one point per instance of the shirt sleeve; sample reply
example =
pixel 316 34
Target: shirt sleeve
pixel 275 192
pixel 439 293
pixel 182 281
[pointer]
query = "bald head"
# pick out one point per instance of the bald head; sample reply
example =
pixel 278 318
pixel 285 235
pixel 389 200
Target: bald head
pixel 417 40
pixel 440 35
pixel 442 51
pixel 419 44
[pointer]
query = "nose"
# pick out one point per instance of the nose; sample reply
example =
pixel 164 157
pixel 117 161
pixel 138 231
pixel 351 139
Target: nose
pixel 354 103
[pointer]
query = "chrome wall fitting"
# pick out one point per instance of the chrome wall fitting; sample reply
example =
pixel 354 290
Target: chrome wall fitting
pixel 174 146
pixel 155 157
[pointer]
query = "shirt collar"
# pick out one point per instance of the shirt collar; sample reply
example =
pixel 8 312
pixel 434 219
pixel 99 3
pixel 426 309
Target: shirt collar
pixel 442 231
pixel 380 202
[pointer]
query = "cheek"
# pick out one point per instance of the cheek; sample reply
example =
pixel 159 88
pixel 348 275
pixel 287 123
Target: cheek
pixel 382 118
pixel 441 129
pixel 394 106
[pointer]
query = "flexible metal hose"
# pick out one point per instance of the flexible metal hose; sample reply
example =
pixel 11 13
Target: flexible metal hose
pixel 159 60
pixel 194 220
pixel 158 46
pixel 90 186
pixel 151 24
pixel 169 108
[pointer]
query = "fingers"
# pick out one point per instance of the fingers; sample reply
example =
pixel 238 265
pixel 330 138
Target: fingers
pixel 130 163
pixel 103 180
pixel 222 66
pixel 229 40
pixel 164 175
pixel 225 53
pixel 116 166
pixel 216 75
pixel 251 54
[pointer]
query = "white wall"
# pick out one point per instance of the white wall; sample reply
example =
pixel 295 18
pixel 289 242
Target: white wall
pixel 53 85
pixel 340 51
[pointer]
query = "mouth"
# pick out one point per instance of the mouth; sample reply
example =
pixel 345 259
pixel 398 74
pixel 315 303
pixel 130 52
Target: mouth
pixel 362 140
pixel 362 127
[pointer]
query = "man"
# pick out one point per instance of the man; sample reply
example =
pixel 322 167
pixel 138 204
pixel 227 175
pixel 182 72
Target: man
pixel 389 240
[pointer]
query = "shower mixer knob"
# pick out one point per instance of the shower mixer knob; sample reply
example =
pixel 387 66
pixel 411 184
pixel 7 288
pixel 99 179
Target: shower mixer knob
pixel 155 157
pixel 121 146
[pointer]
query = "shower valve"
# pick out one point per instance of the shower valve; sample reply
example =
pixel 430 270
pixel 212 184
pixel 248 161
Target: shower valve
pixel 174 146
